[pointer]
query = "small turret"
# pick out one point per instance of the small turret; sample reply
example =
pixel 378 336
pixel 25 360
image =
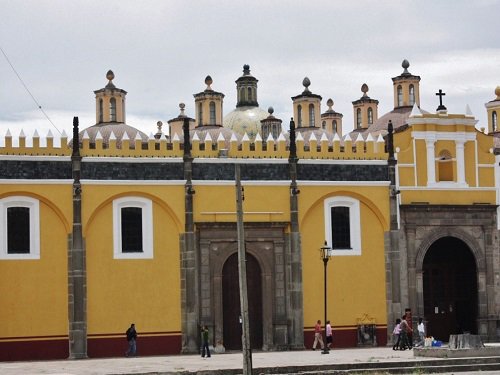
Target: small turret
pixel 271 125
pixel 110 102
pixel 331 121
pixel 208 105
pixel 493 110
pixel 406 88
pixel 365 110
pixel 175 124
pixel 307 107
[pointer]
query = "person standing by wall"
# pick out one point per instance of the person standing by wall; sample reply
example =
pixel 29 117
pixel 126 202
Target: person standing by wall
pixel 396 334
pixel 405 334
pixel 421 332
pixel 131 338
pixel 329 337
pixel 204 341
pixel 318 336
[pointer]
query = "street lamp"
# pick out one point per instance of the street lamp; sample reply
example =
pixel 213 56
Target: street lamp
pixel 326 253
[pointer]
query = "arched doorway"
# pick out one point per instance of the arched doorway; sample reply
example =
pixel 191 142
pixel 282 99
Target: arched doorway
pixel 450 288
pixel 231 303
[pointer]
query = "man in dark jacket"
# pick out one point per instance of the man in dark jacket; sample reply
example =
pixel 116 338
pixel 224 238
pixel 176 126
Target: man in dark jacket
pixel 131 338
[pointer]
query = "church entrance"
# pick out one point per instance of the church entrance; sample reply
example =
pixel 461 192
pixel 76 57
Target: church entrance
pixel 231 303
pixel 450 289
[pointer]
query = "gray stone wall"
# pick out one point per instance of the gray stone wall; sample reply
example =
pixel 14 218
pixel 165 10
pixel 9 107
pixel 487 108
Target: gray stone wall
pixel 420 227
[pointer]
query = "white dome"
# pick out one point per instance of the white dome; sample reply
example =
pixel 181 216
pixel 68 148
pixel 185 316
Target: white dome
pixel 245 120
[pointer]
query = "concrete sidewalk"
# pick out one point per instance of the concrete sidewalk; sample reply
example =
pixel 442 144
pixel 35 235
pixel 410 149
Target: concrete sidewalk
pixel 306 359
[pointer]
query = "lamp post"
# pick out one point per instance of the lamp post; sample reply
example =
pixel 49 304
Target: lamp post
pixel 326 253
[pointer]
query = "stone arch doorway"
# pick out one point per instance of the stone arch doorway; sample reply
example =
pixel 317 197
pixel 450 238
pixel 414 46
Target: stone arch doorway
pixel 450 288
pixel 231 302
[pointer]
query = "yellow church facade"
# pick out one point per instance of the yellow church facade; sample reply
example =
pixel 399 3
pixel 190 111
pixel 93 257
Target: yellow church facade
pixel 111 226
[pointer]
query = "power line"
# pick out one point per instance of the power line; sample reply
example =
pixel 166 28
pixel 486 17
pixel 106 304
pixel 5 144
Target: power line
pixel 27 90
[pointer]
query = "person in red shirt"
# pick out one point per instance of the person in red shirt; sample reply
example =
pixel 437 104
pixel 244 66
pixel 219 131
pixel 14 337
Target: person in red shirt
pixel 318 336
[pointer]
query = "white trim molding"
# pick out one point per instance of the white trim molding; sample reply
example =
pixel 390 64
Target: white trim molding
pixel 354 223
pixel 146 207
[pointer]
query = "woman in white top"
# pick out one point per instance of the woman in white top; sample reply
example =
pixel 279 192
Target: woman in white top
pixel 421 332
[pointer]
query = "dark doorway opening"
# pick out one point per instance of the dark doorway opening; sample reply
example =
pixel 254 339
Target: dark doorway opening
pixel 231 303
pixel 450 289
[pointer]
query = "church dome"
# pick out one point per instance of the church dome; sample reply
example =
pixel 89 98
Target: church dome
pixel 110 117
pixel 214 133
pixel 245 120
pixel 118 129
pixel 247 115
pixel 398 116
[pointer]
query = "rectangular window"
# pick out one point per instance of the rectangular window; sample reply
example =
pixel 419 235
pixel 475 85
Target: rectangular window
pixel 341 230
pixel 132 230
pixel 343 225
pixel 18 230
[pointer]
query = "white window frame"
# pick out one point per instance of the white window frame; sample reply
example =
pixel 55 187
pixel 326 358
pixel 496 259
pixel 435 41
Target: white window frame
pixel 354 222
pixel 34 213
pixel 146 207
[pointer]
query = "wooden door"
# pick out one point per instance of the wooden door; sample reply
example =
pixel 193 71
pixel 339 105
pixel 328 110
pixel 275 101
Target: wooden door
pixel 231 303
pixel 450 289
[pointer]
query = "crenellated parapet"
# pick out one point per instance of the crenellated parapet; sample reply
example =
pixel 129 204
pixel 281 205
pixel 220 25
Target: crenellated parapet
pixel 360 148
pixel 35 146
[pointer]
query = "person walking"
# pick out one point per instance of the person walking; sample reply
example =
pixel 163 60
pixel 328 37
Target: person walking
pixel 329 337
pixel 204 340
pixel 396 333
pixel 318 336
pixel 131 338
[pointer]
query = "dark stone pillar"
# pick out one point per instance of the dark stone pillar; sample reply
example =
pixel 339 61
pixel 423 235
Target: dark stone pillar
pixel 189 259
pixel 77 275
pixel 392 248
pixel 296 304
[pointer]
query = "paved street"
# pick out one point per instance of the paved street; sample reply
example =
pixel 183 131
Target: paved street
pixel 194 363
pixel 143 365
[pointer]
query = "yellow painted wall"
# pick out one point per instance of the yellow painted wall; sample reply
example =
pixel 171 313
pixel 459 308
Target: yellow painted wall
pixel 217 203
pixel 350 278
pixel 143 291
pixel 34 292
pixel 446 197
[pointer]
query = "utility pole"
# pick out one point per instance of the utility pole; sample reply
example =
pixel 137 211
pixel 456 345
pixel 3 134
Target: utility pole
pixel 242 268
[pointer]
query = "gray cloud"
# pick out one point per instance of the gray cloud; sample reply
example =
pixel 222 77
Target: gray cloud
pixel 161 52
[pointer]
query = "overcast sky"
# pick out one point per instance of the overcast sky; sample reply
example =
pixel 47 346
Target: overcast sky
pixel 161 52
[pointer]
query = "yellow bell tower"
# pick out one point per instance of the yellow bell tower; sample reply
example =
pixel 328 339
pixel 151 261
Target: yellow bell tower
pixel 406 88
pixel 175 125
pixel 331 121
pixel 365 110
pixel 306 107
pixel 493 109
pixel 110 102
pixel 208 105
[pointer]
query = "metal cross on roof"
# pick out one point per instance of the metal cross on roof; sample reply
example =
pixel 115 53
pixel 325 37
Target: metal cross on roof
pixel 440 93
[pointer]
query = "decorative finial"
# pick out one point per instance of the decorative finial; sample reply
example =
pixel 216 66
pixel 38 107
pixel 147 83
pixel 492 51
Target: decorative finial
pixel 159 124
pixel 208 82
pixel 405 64
pixel 364 89
pixel 329 103
pixel 182 106
pixel 110 75
pixel 497 92
pixel 246 69
pixel 441 107
pixel 270 110
pixel 306 83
